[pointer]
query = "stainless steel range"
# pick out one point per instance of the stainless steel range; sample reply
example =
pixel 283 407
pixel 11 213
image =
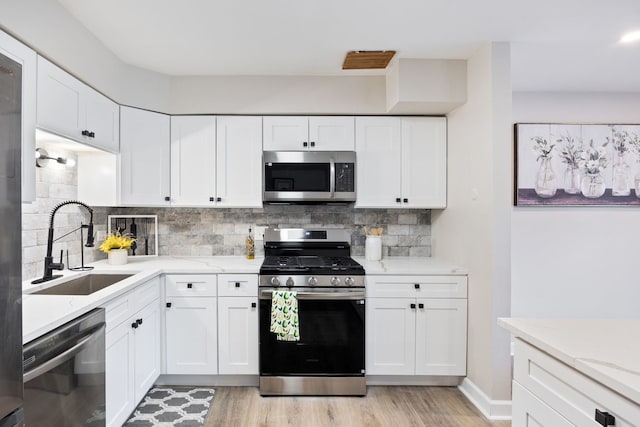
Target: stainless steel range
pixel 328 358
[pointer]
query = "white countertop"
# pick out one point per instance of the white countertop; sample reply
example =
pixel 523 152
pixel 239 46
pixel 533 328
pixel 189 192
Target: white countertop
pixel 607 350
pixel 43 313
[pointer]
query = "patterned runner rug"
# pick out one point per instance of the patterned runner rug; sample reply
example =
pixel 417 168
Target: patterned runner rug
pixel 173 406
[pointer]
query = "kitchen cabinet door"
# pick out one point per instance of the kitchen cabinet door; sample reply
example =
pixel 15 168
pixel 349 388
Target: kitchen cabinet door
pixel 147 349
pixel 285 133
pixel 239 162
pixel 193 161
pixel 441 337
pixel 119 378
pixel 238 335
pixel 390 336
pixel 331 133
pixel 529 411
pixel 103 120
pixel 378 151
pixel 144 158
pixel 191 336
pixel 424 162
pixel 26 57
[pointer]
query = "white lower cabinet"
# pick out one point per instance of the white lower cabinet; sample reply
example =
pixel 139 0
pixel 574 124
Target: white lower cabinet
pixel 132 349
pixel 191 336
pixel 416 325
pixel 547 392
pixel 238 335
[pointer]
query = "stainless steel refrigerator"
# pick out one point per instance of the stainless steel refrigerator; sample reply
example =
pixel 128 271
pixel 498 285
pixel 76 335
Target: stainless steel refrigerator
pixel 11 412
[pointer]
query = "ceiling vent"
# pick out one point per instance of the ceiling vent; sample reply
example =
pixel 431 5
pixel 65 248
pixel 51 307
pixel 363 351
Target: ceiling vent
pixel 367 59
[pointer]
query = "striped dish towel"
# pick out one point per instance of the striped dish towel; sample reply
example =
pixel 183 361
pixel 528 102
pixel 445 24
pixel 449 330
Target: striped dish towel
pixel 284 315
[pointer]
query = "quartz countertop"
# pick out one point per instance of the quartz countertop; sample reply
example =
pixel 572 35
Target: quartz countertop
pixel 43 313
pixel 606 350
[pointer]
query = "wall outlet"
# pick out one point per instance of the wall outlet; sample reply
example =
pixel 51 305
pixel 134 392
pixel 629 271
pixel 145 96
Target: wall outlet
pixel 258 233
pixel 100 235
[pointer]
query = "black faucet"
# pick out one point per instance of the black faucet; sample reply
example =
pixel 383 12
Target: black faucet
pixel 49 265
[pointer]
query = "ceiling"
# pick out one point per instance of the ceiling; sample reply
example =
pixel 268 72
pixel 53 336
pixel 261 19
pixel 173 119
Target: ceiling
pixel 568 45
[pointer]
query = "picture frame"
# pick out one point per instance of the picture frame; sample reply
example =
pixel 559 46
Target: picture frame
pixel 574 164
pixel 147 232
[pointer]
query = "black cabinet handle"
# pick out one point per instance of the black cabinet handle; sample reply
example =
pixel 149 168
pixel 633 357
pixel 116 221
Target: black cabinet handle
pixel 604 418
pixel 85 133
pixel 416 285
pixel 218 199
pixel 413 306
pixel 304 144
pixel 420 305
pixel 134 325
pixel 313 144
pixel 189 285
pixel 254 305
pixel 92 134
pixel 167 198
pixel 405 200
pixel 168 305
pixel 237 284
pixel 139 321
pixel 212 199
pixel 397 199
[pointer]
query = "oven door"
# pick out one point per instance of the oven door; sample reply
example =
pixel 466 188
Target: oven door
pixel 331 335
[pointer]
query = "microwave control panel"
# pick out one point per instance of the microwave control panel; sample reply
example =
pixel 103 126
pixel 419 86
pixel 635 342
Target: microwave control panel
pixel 345 177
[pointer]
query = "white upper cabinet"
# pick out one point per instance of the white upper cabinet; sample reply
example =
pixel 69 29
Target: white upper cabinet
pixel 193 160
pixel 299 133
pixel 239 162
pixel 144 158
pixel 402 162
pixel 68 107
pixel 26 57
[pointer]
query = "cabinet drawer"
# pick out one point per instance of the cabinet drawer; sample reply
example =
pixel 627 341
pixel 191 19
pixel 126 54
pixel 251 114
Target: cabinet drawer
pixel 238 285
pixel 572 394
pixel 191 285
pixel 529 411
pixel 146 293
pixel 416 286
pixel 119 310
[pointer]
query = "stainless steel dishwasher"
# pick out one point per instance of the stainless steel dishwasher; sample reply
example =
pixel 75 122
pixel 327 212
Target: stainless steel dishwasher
pixel 64 375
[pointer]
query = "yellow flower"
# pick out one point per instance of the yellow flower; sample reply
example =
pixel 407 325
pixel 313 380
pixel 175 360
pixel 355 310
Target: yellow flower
pixel 117 241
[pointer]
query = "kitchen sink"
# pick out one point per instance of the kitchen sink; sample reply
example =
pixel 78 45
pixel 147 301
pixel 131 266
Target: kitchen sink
pixel 84 285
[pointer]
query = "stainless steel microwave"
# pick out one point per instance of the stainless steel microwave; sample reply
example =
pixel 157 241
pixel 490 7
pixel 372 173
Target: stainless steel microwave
pixel 309 176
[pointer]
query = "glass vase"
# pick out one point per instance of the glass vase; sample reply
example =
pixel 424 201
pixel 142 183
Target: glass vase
pixel 545 179
pixel 620 185
pixel 592 185
pixel 572 180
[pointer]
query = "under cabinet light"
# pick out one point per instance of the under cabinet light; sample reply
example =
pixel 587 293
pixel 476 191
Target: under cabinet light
pixel 631 37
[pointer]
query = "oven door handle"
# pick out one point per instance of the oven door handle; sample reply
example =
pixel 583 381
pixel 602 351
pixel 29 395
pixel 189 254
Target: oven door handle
pixel 358 295
pixel 61 358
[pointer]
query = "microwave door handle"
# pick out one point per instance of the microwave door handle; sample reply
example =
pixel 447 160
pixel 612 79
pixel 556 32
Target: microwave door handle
pixel 332 179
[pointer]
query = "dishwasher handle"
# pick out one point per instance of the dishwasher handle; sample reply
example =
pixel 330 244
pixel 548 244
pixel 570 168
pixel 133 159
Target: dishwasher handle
pixel 62 357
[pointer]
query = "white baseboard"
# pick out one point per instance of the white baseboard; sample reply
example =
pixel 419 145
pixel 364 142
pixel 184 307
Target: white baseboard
pixel 491 409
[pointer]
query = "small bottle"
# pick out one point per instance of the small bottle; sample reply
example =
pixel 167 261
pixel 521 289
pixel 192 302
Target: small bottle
pixel 250 246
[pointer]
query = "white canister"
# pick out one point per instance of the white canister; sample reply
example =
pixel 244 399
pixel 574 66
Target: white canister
pixel 373 248
pixel 117 256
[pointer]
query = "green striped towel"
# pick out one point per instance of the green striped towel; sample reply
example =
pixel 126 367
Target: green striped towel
pixel 284 315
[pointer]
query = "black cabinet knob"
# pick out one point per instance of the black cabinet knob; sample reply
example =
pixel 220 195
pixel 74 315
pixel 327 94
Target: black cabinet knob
pixel 313 144
pixel 416 285
pixel 139 321
pixel 168 305
pixel 304 144
pixel 134 325
pixel 189 285
pixel 405 200
pixel 92 134
pixel 413 306
pixel 397 199
pixel 254 305
pixel 212 199
pixel 237 284
pixel 420 305
pixel 85 133
pixel 218 199
pixel 604 418
pixel 167 198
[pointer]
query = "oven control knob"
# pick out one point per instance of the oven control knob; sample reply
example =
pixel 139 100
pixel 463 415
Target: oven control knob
pixel 275 281
pixel 349 281
pixel 312 281
pixel 290 282
pixel 335 281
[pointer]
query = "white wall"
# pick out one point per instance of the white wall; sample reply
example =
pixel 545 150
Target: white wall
pixel 474 229
pixel 575 261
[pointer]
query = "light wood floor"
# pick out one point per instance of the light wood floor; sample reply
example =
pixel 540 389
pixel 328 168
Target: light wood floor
pixel 383 406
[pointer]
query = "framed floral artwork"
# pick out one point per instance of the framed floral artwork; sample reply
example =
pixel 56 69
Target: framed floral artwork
pixel 577 164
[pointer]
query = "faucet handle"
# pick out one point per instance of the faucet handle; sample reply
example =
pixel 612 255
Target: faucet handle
pixel 58 265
